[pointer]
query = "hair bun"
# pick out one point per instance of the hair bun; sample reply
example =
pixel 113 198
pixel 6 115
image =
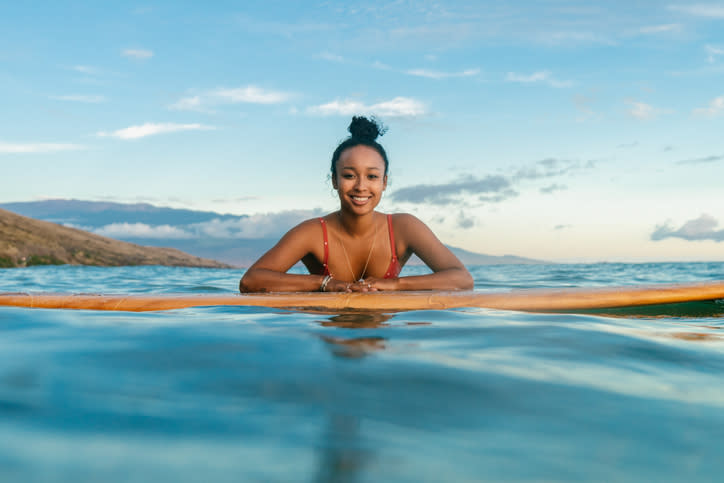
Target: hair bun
pixel 366 129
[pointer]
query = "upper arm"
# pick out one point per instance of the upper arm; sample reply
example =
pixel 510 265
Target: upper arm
pixel 420 240
pixel 291 248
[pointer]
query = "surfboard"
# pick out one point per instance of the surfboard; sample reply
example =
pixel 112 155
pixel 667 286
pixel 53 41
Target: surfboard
pixel 597 300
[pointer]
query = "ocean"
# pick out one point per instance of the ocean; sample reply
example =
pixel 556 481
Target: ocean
pixel 256 394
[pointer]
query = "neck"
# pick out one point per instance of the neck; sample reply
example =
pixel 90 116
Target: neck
pixel 357 226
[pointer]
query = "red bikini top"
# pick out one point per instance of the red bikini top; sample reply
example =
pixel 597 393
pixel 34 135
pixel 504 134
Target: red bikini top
pixel 392 271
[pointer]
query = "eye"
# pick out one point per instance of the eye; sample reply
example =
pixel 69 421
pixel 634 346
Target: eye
pixel 348 176
pixel 373 176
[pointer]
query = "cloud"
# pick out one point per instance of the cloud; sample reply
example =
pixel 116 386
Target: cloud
pixel 464 221
pixel 141 230
pixel 553 188
pixel 713 52
pixel 251 95
pixel 80 98
pixel 447 193
pixel 716 106
pixel 434 74
pixel 706 159
pixel 397 107
pixel 192 103
pixel 150 129
pixel 330 57
pixel 550 167
pixel 702 228
pixel 246 94
pixel 643 111
pixel 540 76
pixel 140 54
pixel 14 148
pixel 86 69
pixel 700 10
pixel 657 29
pixel 632 144
pixel 261 225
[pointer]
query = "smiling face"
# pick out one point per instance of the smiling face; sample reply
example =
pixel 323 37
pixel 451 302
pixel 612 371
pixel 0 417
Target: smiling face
pixel 360 179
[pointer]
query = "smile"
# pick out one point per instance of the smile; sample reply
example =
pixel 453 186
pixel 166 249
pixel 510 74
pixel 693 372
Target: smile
pixel 360 199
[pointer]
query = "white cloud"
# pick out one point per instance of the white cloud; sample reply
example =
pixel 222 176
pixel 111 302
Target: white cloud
pixel 643 111
pixel 716 106
pixel 80 98
pixel 657 29
pixel 397 107
pixel 192 103
pixel 141 230
pixel 251 95
pixel 13 148
pixel 713 52
pixel 140 54
pixel 86 69
pixel 150 129
pixel 331 57
pixel 700 10
pixel 246 94
pixel 540 76
pixel 434 74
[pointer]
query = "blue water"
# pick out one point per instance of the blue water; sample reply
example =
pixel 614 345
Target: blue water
pixel 256 394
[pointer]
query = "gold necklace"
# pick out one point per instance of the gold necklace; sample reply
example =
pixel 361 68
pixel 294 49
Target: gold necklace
pixel 349 265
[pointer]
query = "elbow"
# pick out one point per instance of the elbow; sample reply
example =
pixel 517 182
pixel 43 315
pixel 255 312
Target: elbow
pixel 466 281
pixel 246 284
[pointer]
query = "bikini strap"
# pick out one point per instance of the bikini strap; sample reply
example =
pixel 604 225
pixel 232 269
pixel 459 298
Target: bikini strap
pixel 392 237
pixel 326 244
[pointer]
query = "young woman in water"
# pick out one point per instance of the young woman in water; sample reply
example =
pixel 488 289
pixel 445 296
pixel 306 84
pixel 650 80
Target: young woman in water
pixel 357 249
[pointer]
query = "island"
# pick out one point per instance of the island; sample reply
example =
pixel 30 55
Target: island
pixel 26 241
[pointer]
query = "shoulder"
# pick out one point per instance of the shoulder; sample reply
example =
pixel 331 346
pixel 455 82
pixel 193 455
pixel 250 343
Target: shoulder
pixel 406 221
pixel 305 229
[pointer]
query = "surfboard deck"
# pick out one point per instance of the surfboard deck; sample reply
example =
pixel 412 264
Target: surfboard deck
pixel 549 300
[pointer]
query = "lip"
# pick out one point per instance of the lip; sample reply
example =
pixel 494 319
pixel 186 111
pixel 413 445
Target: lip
pixel 360 200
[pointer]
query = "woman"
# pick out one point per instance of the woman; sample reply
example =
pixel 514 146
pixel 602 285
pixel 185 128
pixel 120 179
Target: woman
pixel 357 249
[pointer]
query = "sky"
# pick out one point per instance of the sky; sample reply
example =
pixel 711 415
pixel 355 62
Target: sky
pixel 558 130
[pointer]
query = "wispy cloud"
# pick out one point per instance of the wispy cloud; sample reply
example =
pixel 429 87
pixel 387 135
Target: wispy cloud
pixel 151 129
pixel 543 76
pixel 251 95
pixel 86 69
pixel 702 160
pixel 330 57
pixel 142 230
pixel 448 193
pixel 246 94
pixel 397 107
pixel 546 190
pixel 435 74
pixel 90 99
pixel 17 148
pixel 716 107
pixel 700 10
pixel 657 29
pixel 643 111
pixel 713 52
pixel 702 228
pixel 140 54
pixel 551 167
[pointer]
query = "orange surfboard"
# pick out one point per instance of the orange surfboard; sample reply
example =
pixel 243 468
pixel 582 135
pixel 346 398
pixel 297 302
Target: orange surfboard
pixel 549 300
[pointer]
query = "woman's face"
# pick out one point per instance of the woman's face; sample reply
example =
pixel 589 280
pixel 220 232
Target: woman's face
pixel 360 179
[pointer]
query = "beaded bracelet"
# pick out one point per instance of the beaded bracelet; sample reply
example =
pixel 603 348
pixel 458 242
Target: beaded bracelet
pixel 325 281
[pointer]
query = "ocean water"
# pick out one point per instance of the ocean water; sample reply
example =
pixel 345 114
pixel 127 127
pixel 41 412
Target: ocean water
pixel 255 394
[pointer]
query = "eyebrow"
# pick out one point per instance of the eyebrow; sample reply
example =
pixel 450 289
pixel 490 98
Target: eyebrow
pixel 371 167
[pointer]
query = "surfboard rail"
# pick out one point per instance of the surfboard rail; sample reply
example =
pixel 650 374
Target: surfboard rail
pixel 534 300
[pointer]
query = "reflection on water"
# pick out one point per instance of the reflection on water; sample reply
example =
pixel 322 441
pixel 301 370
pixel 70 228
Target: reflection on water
pixel 256 394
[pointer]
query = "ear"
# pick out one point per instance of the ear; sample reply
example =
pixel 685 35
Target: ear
pixel 334 182
pixel 384 183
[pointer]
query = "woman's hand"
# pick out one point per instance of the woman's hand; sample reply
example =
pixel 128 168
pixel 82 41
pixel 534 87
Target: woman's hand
pixel 374 284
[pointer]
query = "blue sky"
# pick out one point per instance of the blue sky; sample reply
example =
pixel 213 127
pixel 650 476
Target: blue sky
pixel 570 131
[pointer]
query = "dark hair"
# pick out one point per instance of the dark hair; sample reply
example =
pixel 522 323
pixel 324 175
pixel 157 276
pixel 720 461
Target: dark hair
pixel 363 132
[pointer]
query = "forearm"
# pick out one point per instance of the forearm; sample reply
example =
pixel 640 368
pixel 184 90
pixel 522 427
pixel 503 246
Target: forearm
pixel 264 280
pixel 450 279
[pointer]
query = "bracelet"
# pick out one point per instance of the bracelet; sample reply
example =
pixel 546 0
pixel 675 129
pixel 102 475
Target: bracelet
pixel 325 281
